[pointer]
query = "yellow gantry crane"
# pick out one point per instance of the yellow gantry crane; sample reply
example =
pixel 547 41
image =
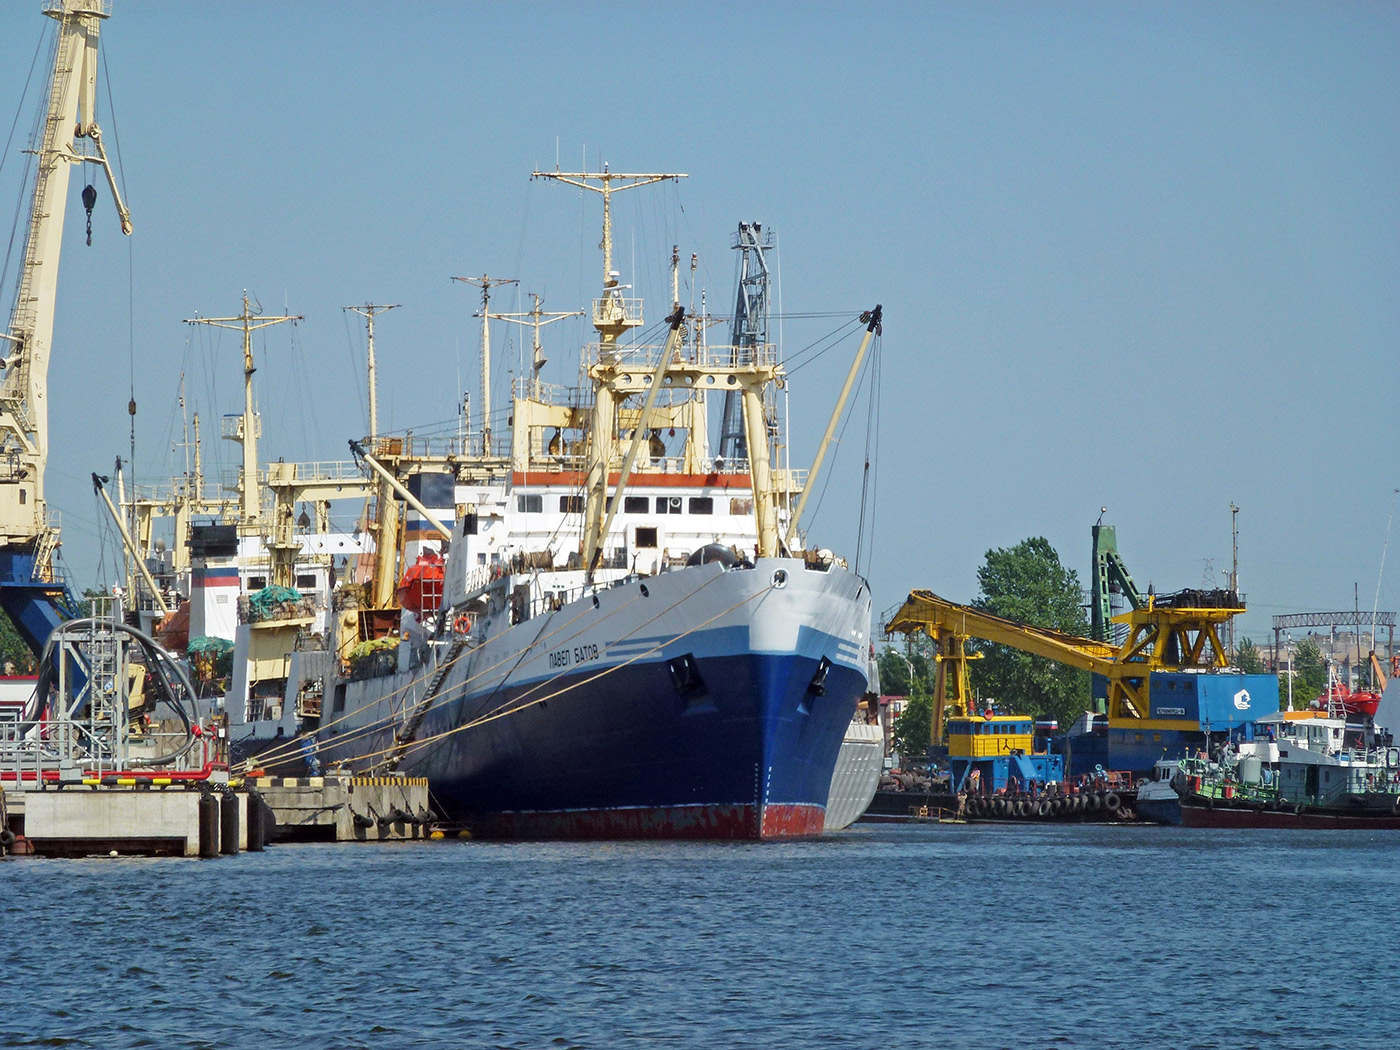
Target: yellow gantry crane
pixel 1170 633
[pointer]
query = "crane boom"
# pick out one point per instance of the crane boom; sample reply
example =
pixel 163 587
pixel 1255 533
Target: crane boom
pixel 29 589
pixel 1180 633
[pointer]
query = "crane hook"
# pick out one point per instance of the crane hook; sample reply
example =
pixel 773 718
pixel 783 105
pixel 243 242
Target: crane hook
pixel 89 199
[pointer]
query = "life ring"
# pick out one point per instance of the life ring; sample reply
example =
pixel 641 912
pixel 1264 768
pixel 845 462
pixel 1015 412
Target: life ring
pixel 462 624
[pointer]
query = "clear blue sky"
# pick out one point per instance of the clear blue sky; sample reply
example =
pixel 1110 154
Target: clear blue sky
pixel 1141 256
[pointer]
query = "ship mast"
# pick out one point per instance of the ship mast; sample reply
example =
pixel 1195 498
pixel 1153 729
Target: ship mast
pixel 537 319
pixel 246 432
pixel 486 283
pixel 613 315
pixel 367 312
pixel 71 135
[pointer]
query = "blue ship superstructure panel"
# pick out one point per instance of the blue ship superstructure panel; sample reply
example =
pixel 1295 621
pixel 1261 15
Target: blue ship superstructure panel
pixel 1212 702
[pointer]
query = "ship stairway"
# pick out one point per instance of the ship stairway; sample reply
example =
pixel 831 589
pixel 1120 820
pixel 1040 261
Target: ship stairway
pixel 409 732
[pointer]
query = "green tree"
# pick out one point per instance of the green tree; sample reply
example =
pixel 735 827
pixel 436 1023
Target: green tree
pixel 895 667
pixel 12 647
pixel 1247 657
pixel 1309 675
pixel 1028 584
pixel 914 725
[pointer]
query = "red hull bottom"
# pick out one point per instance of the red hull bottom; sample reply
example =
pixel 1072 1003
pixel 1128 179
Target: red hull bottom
pixel 731 822
pixel 1194 817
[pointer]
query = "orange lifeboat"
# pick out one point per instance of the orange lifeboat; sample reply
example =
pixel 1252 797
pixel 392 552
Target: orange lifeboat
pixel 420 590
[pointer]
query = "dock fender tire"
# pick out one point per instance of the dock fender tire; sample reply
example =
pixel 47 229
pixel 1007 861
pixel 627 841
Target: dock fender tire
pixel 1111 802
pixel 7 838
pixel 1394 806
pixel 1045 808
pixel 1298 810
pixel 999 807
pixel 1208 802
pixel 1096 802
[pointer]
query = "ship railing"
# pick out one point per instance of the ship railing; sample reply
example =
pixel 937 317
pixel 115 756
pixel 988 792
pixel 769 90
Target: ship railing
pixel 443 446
pixel 231 426
pixel 647 355
pixel 550 393
pixel 103 8
pixel 615 309
pixel 323 471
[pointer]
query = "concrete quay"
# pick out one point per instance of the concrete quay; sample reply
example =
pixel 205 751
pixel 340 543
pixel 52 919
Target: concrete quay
pixel 347 808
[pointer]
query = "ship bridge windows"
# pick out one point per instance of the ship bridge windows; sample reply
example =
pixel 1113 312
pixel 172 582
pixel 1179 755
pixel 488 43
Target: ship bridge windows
pixel 529 504
pixel 668 504
pixel 702 505
pixel 636 505
pixel 570 504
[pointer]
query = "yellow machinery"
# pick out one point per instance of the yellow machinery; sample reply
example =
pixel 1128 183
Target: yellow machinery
pixel 1172 633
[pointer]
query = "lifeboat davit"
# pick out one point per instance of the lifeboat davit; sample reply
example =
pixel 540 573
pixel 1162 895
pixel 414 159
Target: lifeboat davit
pixel 420 590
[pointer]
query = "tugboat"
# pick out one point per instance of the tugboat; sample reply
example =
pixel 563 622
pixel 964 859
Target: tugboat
pixel 1296 770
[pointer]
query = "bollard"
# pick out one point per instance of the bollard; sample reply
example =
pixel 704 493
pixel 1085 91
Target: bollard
pixel 256 827
pixel 208 824
pixel 269 819
pixel 228 822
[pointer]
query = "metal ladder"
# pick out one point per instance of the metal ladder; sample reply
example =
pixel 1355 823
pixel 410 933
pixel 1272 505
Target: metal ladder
pixel 409 732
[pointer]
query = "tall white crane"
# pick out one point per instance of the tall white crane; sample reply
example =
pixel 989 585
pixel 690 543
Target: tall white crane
pixel 71 135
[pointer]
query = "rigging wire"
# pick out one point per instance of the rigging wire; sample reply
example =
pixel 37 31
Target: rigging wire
pixel 838 441
pixel 1377 604
pixel 19 108
pixel 506 709
pixel 29 158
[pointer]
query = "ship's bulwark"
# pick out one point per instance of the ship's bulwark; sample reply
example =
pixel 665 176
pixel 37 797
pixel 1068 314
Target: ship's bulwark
pixel 705 738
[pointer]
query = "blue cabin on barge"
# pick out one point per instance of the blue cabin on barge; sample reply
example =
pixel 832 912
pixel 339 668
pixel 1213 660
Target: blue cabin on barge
pixel 987 753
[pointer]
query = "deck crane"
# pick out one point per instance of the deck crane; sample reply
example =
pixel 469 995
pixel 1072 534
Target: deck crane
pixel 1170 633
pixel 31 591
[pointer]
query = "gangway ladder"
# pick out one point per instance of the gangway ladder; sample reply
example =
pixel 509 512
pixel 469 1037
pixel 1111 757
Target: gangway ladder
pixel 409 732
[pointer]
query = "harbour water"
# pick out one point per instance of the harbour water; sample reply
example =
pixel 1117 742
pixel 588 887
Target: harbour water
pixel 927 935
